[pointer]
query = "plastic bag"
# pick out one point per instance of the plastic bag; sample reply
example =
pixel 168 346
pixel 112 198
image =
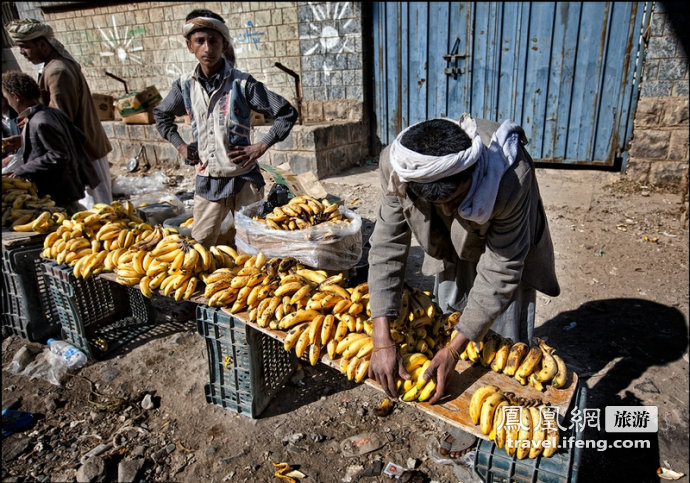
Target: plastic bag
pixel 327 246
pixel 48 366
pixel 135 185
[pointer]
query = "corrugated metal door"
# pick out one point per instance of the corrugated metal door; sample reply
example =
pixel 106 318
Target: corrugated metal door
pixel 567 72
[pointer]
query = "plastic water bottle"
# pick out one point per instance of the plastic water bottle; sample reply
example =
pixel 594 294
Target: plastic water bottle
pixel 72 355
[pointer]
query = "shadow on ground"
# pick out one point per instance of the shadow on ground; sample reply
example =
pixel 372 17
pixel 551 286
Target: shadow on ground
pixel 610 344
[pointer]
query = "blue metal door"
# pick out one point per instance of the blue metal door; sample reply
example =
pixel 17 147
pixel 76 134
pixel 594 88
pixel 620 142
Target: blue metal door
pixel 567 72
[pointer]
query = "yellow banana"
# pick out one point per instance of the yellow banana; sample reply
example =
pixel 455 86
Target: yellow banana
pixel 561 378
pixel 486 415
pixel 499 424
pixel 528 365
pixel 477 400
pixel 293 335
pixel 354 347
pixel 314 353
pixel 538 433
pixel 474 350
pixel 191 287
pixel 492 342
pixel 349 339
pixel 362 370
pixel 550 444
pixel 524 433
pixel 315 330
pixel 314 276
pixel 302 315
pixel 302 343
pixel 501 356
pixel 517 353
pixel 327 329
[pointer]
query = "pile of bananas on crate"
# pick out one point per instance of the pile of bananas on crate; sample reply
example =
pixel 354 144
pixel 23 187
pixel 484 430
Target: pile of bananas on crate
pixel 317 310
pixel 321 314
pixel 533 429
pixel 24 211
pixel 536 365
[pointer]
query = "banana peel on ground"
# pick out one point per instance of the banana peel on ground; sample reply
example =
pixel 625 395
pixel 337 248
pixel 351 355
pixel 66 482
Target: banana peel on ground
pixel 285 472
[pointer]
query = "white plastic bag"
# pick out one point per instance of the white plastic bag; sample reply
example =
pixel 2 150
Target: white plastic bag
pixel 48 366
pixel 326 246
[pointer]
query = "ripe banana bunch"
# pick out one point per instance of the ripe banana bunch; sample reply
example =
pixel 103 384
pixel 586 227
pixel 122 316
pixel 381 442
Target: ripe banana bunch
pixel 417 388
pixel 532 430
pixel 188 222
pixel 536 365
pixel 420 324
pixel 173 265
pixel 21 207
pixel 302 212
pixel 45 222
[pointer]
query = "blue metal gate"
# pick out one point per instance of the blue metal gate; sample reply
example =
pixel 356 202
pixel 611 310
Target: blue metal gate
pixel 567 72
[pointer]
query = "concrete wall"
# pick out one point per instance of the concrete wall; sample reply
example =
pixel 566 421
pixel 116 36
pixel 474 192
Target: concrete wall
pixel 659 149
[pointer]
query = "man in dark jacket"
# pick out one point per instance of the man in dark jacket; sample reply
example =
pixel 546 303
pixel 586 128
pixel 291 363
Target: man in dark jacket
pixel 53 156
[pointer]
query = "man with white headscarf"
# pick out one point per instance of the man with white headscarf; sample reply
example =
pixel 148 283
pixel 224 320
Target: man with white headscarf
pixel 64 87
pixel 467 191
pixel 219 99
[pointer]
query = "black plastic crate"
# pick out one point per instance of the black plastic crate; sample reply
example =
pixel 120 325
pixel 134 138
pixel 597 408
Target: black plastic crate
pixel 28 310
pixel 97 315
pixel 246 367
pixel 494 465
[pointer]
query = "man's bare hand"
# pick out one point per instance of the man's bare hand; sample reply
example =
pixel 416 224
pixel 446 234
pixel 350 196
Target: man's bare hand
pixel 245 155
pixel 182 149
pixel 385 365
pixel 443 365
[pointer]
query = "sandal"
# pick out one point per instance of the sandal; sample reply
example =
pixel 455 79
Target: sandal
pixel 457 446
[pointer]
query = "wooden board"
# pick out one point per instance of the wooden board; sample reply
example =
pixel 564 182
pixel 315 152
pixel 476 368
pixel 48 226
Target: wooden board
pixel 454 407
pixel 17 238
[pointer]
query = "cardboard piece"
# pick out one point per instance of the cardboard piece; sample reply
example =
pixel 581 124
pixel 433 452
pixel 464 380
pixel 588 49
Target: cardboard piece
pixel 104 106
pixel 298 184
pixel 136 102
pixel 145 117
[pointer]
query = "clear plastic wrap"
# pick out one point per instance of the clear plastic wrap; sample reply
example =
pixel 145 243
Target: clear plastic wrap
pixel 326 246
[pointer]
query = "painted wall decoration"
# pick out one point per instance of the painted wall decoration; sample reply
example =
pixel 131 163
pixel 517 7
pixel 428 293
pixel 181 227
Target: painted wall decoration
pixel 121 44
pixel 330 33
pixel 249 38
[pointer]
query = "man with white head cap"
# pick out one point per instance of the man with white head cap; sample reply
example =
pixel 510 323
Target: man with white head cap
pixel 64 87
pixel 218 100
pixel 467 191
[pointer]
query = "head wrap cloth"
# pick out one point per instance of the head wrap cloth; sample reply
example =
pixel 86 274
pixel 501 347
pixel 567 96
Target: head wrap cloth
pixel 31 29
pixel 199 23
pixel 492 163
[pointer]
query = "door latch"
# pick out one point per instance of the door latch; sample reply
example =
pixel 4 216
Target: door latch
pixel 453 57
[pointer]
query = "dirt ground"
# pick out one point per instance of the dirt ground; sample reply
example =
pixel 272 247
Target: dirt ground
pixel 621 323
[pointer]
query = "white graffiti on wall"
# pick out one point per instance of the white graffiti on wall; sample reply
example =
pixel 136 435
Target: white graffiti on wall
pixel 324 33
pixel 121 44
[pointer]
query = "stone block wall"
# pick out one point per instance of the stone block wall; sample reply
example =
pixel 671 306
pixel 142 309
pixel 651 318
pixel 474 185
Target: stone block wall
pixel 142 43
pixel 659 149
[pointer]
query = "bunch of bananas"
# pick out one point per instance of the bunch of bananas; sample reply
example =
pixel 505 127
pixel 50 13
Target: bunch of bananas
pixel 88 233
pixel 420 323
pixel 22 208
pixel 172 266
pixel 528 436
pixel 302 212
pixel 188 222
pixel 417 388
pixel 536 365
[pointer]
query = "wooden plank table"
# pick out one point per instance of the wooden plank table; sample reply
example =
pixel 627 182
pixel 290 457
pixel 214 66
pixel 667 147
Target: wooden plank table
pixel 454 407
pixel 12 238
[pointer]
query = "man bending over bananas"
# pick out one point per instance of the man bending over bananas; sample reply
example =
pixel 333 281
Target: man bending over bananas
pixel 467 191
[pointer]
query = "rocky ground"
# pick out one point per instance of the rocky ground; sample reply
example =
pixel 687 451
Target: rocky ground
pixel 621 323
